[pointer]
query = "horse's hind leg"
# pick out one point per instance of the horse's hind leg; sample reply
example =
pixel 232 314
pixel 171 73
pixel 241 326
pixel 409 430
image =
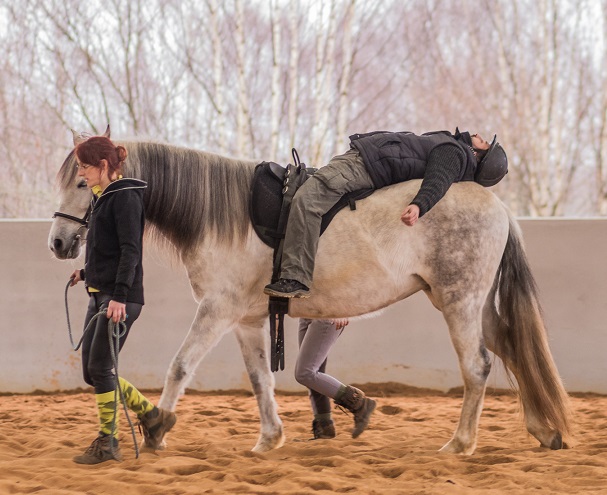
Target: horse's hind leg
pixel 464 320
pixel 254 344
pixel 548 437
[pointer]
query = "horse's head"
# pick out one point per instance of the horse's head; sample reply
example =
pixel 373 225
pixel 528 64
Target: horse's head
pixel 68 230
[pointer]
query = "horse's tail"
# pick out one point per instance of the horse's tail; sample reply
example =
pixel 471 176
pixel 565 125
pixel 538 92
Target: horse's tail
pixel 522 337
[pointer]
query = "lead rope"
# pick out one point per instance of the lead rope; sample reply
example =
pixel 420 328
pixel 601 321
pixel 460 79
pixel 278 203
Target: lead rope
pixel 115 332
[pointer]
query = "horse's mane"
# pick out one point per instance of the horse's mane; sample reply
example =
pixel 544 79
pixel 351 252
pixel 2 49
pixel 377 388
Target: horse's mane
pixel 190 193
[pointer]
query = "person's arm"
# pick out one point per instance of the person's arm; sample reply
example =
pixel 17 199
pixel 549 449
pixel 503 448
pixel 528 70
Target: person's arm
pixel 443 168
pixel 76 277
pixel 127 213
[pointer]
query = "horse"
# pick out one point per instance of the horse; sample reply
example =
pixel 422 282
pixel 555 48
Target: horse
pixel 466 255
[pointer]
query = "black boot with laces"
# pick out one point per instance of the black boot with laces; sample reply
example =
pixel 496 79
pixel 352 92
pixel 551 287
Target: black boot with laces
pixel 323 429
pixel 287 287
pixel 103 448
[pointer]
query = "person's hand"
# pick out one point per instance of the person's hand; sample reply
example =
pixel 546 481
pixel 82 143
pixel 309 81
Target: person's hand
pixel 75 278
pixel 116 311
pixel 410 215
pixel 340 323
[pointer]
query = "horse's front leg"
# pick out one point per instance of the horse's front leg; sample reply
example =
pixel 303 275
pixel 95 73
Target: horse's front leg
pixel 254 340
pixel 211 322
pixel 475 364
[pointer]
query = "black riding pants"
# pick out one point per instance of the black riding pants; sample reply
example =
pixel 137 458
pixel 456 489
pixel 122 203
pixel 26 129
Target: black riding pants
pixel 97 365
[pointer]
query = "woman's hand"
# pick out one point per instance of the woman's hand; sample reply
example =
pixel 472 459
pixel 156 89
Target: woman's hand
pixel 75 278
pixel 340 323
pixel 410 215
pixel 116 311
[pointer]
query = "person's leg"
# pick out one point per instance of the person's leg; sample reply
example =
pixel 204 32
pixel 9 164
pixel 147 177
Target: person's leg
pixel 310 203
pixel 321 404
pixel 155 422
pixel 134 399
pixel 313 351
pixel 344 173
pixel 87 340
pixel 322 424
pixel 355 401
pixel 98 372
pixel 101 366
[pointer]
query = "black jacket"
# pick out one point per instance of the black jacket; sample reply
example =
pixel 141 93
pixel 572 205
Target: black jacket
pixel 440 158
pixel 114 244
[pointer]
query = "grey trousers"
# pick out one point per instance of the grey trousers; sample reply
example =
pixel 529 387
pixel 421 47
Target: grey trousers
pixel 316 337
pixel 344 173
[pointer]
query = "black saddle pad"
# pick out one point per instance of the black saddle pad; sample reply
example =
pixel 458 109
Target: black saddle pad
pixel 266 201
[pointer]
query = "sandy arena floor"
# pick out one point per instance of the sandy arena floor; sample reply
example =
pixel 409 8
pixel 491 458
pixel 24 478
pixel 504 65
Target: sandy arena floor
pixel 209 449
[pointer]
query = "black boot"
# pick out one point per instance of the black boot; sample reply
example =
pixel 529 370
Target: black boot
pixel 104 448
pixel 362 407
pixel 287 288
pixel 323 429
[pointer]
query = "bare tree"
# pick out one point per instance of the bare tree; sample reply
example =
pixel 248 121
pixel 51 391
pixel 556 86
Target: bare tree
pixel 325 67
pixel 221 76
pixel 346 71
pixel 276 73
pixel 537 76
pixel 293 79
pixel 600 121
pixel 243 130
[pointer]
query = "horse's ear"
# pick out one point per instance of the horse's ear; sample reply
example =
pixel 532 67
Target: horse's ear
pixel 107 132
pixel 77 137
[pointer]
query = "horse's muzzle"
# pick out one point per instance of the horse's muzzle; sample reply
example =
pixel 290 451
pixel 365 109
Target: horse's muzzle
pixel 65 249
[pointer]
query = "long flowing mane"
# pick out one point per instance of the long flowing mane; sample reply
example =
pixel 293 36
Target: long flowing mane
pixel 190 193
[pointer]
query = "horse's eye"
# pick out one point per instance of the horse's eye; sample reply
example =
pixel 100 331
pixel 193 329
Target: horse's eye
pixel 81 184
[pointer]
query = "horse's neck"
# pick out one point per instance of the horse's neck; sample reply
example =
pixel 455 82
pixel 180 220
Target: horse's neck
pixel 189 192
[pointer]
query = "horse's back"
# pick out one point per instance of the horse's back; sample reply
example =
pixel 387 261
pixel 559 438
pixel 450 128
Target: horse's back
pixel 368 259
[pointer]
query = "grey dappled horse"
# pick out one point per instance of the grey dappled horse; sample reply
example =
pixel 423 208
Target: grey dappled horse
pixel 466 254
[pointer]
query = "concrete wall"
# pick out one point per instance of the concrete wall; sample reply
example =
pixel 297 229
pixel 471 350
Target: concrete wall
pixel 408 343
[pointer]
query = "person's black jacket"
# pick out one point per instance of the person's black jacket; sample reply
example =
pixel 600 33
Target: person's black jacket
pixel 114 244
pixel 440 158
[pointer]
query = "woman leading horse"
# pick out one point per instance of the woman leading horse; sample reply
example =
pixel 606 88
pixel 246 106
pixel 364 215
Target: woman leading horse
pixel 466 256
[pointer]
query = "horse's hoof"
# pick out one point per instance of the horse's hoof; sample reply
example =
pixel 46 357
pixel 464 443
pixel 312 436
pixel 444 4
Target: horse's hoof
pixel 456 447
pixel 267 444
pixel 557 442
pixel 151 446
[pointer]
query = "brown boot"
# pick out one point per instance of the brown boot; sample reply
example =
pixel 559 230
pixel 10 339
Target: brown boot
pixel 362 407
pixel 102 449
pixel 155 425
pixel 323 429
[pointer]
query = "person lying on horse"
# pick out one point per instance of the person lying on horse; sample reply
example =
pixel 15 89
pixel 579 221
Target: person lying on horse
pixel 376 160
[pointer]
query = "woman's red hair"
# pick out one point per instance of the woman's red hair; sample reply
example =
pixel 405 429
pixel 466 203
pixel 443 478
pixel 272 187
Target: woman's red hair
pixel 98 148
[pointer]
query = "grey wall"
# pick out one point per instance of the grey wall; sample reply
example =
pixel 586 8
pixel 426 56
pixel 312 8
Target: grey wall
pixel 408 343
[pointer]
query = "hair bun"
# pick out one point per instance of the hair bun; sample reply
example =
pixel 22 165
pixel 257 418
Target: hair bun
pixel 121 152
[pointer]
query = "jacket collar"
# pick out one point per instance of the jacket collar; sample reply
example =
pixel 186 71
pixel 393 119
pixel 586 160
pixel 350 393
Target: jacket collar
pixel 125 183
pixel 121 185
pixel 463 136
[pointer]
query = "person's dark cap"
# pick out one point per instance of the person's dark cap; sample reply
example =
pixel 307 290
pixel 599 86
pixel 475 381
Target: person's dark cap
pixel 493 167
